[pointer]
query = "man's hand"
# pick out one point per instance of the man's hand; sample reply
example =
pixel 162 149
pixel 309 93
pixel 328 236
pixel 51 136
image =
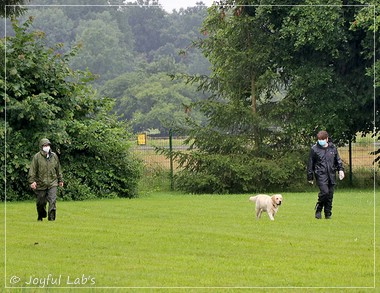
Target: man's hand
pixel 341 175
pixel 61 184
pixel 33 185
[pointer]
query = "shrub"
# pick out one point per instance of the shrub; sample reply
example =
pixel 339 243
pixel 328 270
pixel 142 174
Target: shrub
pixel 46 98
pixel 216 173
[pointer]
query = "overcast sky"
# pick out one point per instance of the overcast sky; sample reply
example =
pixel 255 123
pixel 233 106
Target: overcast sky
pixel 169 5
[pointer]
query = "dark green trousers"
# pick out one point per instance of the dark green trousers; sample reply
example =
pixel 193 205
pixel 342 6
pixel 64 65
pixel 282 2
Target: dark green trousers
pixel 44 197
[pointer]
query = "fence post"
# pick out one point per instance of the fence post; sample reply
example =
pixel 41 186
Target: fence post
pixel 350 159
pixel 171 158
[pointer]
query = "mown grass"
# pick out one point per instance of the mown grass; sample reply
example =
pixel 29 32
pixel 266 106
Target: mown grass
pixel 172 240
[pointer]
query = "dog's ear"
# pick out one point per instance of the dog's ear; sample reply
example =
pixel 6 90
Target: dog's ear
pixel 273 197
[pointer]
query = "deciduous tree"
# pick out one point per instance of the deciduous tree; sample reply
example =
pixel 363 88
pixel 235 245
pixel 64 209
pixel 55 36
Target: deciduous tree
pixel 44 97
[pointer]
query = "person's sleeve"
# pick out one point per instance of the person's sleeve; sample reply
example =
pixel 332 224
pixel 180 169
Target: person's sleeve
pixel 32 171
pixel 338 162
pixel 310 166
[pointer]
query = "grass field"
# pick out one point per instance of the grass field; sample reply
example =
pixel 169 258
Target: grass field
pixel 192 243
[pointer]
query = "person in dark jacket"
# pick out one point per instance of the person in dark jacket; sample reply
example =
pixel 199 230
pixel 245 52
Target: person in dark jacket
pixel 323 163
pixel 45 175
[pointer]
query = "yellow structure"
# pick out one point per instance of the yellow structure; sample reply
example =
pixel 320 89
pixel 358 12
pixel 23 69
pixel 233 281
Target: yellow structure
pixel 141 139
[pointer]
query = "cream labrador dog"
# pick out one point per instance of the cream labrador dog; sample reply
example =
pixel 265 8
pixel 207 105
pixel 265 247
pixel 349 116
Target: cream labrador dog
pixel 266 203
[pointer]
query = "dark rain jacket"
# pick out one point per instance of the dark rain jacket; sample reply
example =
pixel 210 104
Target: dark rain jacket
pixel 45 170
pixel 323 164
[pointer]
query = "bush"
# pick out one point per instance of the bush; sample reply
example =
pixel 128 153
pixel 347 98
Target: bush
pixel 46 98
pixel 99 157
pixel 241 173
pixel 75 190
pixel 361 178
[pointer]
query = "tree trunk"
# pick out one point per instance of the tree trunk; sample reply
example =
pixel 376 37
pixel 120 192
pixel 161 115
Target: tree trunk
pixel 253 95
pixel 254 110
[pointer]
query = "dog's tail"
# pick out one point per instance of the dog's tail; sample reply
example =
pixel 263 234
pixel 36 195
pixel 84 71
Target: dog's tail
pixel 253 198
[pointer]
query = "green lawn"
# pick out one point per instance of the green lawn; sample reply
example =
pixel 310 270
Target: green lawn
pixel 174 240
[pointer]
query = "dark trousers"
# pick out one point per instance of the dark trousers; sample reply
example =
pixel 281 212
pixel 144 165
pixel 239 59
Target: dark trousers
pixel 44 197
pixel 325 198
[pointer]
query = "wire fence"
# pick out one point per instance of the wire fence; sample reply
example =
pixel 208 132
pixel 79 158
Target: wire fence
pixel 362 159
pixel 145 146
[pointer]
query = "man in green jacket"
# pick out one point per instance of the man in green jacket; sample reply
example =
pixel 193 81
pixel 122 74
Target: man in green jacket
pixel 45 175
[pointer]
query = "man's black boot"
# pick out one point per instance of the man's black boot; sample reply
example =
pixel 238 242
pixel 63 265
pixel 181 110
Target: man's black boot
pixel 318 214
pixel 41 213
pixel 51 215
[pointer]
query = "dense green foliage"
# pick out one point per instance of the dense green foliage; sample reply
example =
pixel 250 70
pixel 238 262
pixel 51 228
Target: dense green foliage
pixel 280 73
pixel 114 40
pixel 224 158
pixel 275 74
pixel 329 69
pixel 46 98
pixel 152 101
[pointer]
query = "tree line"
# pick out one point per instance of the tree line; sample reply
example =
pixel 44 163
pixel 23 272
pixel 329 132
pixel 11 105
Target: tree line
pixel 251 89
pixel 121 44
